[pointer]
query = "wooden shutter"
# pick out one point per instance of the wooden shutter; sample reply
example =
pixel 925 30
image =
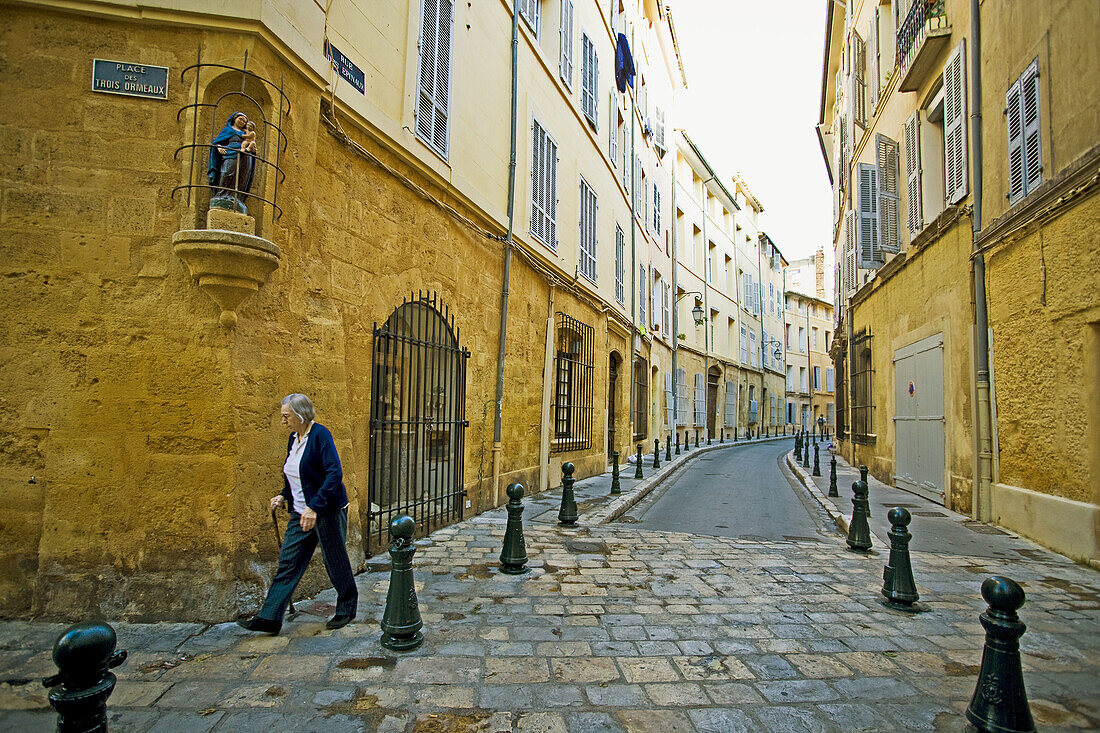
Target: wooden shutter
pixel 1033 158
pixel 914 219
pixel 731 405
pixel 544 186
pixel 613 126
pixel 858 81
pixel 873 64
pixel 887 152
pixel 954 125
pixel 567 42
pixel 590 74
pixel 666 310
pixel 668 400
pixel 850 271
pixel 867 240
pixel 700 400
pixel 656 211
pixel 588 231
pixel 660 132
pixel 434 79
pixel 642 275
pixel 843 173
pixel 655 301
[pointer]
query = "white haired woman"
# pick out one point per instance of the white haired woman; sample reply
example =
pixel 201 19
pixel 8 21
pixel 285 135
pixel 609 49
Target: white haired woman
pixel 318 503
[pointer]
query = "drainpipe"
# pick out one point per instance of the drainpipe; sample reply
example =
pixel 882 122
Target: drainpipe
pixel 983 504
pixel 498 408
pixel 675 335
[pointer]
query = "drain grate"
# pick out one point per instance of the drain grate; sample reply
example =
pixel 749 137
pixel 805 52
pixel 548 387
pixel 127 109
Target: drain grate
pixel 928 514
pixel 983 528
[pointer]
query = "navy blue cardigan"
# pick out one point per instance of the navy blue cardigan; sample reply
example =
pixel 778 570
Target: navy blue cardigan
pixel 321 473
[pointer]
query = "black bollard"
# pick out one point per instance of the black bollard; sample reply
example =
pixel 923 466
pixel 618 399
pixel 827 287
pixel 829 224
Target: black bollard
pixel 1000 700
pixel 567 514
pixel 806 454
pixel 897 577
pixel 668 448
pixel 859 534
pixel 79 690
pixel 513 556
pixel 817 460
pixel 721 436
pixel 638 468
pixel 696 437
pixel 656 453
pixel 401 622
pixel 798 444
pixel 677 444
pixel 615 487
pixel 833 493
pixel 863 478
pixel 709 437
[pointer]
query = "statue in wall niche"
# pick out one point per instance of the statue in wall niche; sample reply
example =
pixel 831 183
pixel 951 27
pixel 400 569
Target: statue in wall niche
pixel 232 163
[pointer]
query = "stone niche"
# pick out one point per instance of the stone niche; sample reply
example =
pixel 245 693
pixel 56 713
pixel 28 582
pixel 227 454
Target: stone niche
pixel 227 260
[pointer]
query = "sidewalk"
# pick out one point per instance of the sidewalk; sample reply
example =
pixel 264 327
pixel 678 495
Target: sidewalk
pixel 614 629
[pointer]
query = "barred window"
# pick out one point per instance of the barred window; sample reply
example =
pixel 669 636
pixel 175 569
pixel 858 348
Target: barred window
pixel 862 397
pixel 641 398
pixel 573 370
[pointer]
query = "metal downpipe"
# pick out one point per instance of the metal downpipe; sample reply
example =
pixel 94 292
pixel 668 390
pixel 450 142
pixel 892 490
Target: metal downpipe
pixel 498 408
pixel 982 506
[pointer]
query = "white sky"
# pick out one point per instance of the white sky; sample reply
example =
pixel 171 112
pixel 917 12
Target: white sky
pixel 754 95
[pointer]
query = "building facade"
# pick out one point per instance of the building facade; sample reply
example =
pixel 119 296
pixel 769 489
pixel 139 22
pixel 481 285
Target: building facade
pixel 954 192
pixel 811 381
pixel 374 250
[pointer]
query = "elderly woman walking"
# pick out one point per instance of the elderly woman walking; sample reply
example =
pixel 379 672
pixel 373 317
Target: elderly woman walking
pixel 318 504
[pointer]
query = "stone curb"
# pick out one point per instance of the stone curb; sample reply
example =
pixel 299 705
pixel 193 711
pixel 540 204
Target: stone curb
pixel 612 511
pixel 826 503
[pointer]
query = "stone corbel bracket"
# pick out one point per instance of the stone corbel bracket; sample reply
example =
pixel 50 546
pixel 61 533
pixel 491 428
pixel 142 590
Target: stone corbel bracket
pixel 228 265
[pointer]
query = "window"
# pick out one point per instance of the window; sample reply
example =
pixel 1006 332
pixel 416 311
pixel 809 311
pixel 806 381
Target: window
pixel 668 401
pixel 700 400
pixel 683 401
pixel 531 10
pixel 641 398
pixel 754 354
pixel 887 153
pixel 666 311
pixel 731 406
pixel 867 241
pixel 790 378
pixel 1025 158
pixel 813 338
pixel 659 132
pixel 434 76
pixel 566 62
pixel 573 369
pixel 817 377
pixel 829 380
pixel 858 101
pixel 620 265
pixel 590 74
pixel 914 220
pixel 544 187
pixel 656 210
pixel 802 385
pixel 802 339
pixel 862 405
pixel 641 294
pixel 587 262
pixel 826 341
pixel 744 345
pixel 615 128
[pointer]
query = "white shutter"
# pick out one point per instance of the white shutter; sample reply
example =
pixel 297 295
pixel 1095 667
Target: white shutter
pixel 887 153
pixel 914 220
pixel 668 400
pixel 656 211
pixel 850 271
pixel 620 264
pixel 612 124
pixel 587 263
pixel 660 132
pixel 873 64
pixel 1033 158
pixel 567 43
pixel 869 252
pixel 666 311
pixel 731 405
pixel 700 400
pixel 683 406
pixel 844 142
pixel 744 345
pixel 642 274
pixel 590 74
pixel 434 79
pixel 655 301
pixel 954 125
pixel 532 11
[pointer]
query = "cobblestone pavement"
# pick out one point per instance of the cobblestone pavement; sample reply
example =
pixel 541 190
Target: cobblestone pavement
pixel 614 629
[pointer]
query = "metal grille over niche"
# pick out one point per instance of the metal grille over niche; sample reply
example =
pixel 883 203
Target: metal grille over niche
pixel 418 419
pixel 573 372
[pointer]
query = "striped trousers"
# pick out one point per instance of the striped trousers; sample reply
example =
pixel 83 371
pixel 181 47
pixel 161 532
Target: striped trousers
pixel 331 533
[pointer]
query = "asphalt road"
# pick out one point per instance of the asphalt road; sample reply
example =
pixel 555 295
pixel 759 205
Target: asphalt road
pixel 739 492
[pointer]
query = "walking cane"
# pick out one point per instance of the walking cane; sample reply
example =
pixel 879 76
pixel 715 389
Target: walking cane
pixel 279 540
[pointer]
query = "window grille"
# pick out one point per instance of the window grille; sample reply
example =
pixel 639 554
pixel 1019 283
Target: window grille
pixel 573 370
pixel 641 398
pixel 862 397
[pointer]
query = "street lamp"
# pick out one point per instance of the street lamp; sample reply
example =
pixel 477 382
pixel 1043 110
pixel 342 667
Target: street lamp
pixel 778 348
pixel 696 312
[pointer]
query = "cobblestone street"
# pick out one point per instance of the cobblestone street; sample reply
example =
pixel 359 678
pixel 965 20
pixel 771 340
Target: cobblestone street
pixel 614 629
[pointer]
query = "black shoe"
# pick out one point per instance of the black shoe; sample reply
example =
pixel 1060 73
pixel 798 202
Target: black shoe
pixel 256 623
pixel 339 621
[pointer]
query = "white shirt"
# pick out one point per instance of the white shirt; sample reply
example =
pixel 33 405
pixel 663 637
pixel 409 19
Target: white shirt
pixel 293 472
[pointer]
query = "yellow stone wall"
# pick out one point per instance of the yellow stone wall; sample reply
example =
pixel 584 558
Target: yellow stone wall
pixel 928 294
pixel 140 438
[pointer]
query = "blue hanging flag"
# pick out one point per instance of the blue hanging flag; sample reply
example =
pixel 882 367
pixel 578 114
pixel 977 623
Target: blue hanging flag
pixel 624 65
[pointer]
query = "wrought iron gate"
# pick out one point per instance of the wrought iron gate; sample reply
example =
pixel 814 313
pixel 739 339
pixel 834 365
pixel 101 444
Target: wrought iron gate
pixel 418 419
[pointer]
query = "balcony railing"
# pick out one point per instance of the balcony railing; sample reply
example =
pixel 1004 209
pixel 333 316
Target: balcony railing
pixel 921 35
